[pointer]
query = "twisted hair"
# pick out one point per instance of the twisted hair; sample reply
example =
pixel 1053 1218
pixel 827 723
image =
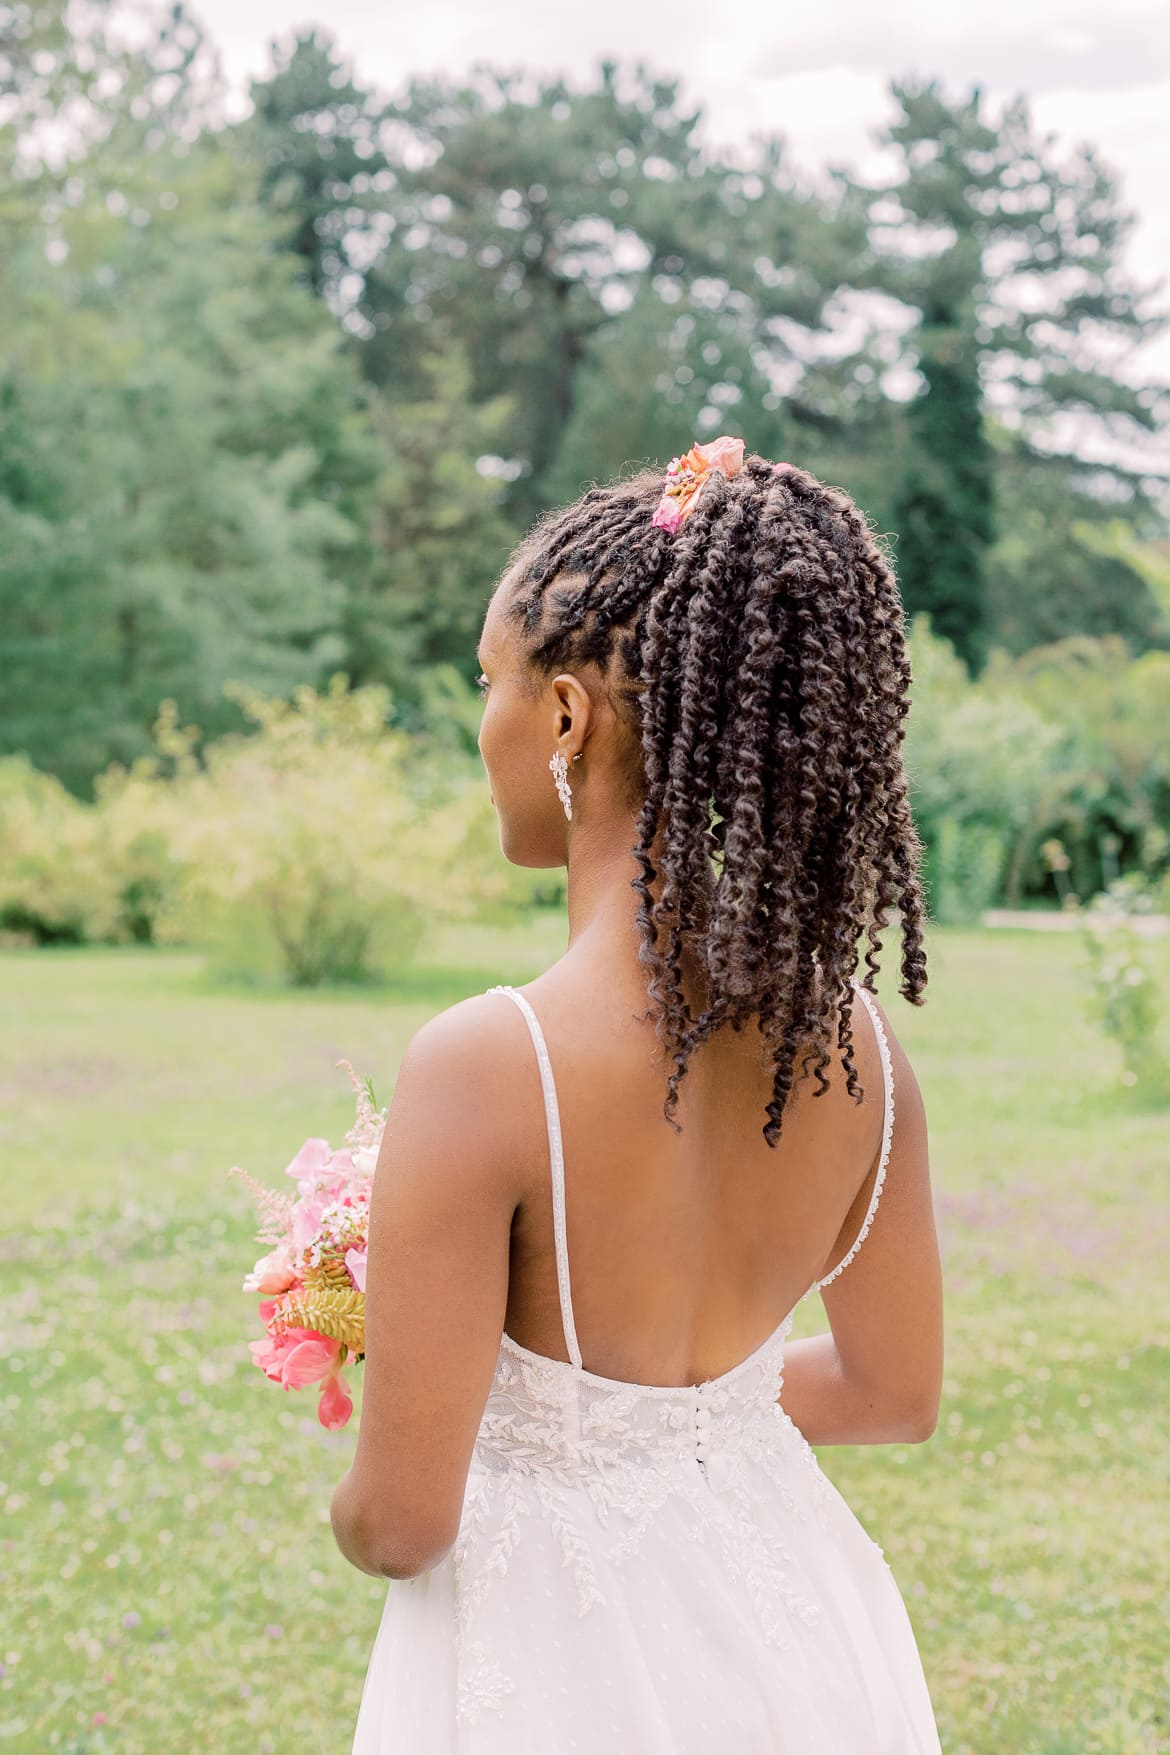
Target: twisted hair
pixel 758 657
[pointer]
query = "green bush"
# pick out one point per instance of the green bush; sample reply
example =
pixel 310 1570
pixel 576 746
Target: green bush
pixel 977 762
pixel 1126 999
pixel 320 847
pixel 1107 792
pixel 1066 744
pixel 54 888
pixel 139 810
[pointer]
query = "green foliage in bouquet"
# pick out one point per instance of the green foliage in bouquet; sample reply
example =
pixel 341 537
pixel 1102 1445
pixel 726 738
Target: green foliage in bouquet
pixel 331 1309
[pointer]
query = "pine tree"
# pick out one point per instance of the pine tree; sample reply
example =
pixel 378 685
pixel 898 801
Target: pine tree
pixel 323 170
pixel 1010 256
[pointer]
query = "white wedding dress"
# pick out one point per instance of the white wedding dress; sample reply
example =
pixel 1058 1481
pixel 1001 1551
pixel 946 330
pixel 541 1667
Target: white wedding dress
pixel 644 1570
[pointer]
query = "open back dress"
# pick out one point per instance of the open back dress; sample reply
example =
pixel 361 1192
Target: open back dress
pixel 648 1570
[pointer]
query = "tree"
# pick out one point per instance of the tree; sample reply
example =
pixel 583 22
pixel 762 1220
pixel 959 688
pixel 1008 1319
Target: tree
pixel 1010 256
pixel 535 224
pixel 440 535
pixel 182 446
pixel 1062 565
pixel 324 172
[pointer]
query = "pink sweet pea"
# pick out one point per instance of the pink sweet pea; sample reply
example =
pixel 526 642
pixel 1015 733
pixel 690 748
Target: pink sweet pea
pixel 295 1357
pixel 335 1404
pixel 355 1261
pixel 306 1221
pixel 668 515
pixel 310 1161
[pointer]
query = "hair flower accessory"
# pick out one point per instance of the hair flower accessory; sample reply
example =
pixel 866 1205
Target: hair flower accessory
pixel 685 477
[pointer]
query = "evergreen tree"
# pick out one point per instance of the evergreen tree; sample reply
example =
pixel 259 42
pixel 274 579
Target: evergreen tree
pixel 943 511
pixel 1010 255
pixel 440 535
pixel 182 446
pixel 324 172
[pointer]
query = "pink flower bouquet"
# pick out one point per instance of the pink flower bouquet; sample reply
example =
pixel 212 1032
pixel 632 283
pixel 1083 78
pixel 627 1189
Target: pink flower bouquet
pixel 312 1281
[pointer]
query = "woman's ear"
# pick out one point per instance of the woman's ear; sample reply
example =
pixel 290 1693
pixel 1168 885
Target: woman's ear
pixel 573 707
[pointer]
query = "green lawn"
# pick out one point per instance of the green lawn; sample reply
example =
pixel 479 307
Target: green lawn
pixel 167 1571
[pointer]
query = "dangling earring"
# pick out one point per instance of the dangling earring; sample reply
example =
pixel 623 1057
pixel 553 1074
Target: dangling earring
pixel 560 769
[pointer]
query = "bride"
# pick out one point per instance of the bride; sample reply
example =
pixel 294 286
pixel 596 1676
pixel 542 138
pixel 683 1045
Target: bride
pixel 584 1459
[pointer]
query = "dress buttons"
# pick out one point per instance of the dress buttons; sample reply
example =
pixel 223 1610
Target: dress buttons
pixel 702 1430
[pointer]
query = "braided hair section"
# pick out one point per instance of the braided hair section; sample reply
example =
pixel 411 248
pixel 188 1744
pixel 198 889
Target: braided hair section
pixel 757 654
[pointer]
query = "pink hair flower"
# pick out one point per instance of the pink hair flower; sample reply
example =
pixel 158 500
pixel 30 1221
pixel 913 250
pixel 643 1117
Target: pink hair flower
pixel 686 476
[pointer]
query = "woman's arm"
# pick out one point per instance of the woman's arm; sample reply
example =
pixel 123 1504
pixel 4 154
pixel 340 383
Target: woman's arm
pixel 445 1191
pixel 876 1378
pixel 356 1538
pixel 830 1407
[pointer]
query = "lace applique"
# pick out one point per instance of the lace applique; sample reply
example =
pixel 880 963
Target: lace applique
pixel 574 1547
pixel 594 1463
pixel 482 1686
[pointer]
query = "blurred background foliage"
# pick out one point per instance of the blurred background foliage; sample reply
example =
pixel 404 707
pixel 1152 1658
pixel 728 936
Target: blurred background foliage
pixel 278 394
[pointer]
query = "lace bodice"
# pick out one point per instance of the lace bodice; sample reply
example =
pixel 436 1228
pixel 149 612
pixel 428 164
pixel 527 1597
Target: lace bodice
pixel 550 1415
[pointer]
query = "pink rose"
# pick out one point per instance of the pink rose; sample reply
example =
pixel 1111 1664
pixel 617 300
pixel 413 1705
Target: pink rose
pixel 724 454
pixel 274 1272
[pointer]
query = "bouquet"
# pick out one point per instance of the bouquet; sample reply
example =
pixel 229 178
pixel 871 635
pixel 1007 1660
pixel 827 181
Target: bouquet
pixel 312 1281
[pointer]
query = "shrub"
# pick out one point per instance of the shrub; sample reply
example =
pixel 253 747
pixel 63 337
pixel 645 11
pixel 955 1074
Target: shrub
pixel 1125 996
pixel 977 761
pixel 320 847
pixel 1108 784
pixel 139 810
pixel 53 886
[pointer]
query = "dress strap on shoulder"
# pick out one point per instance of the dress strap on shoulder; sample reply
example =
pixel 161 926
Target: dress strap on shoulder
pixel 557 1164
pixel 887 1136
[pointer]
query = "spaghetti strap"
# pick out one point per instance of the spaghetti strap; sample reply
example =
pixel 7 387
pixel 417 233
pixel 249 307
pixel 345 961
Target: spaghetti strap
pixel 557 1164
pixel 887 1136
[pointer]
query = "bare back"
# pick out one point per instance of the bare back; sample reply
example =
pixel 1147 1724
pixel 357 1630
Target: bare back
pixel 688 1249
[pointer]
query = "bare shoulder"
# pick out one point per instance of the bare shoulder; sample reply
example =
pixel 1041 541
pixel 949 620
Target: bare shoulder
pixel 455 1097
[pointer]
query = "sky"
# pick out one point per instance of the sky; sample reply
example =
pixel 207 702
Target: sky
pixel 1094 70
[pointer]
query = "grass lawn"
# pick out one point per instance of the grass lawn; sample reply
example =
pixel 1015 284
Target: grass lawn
pixel 167 1571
